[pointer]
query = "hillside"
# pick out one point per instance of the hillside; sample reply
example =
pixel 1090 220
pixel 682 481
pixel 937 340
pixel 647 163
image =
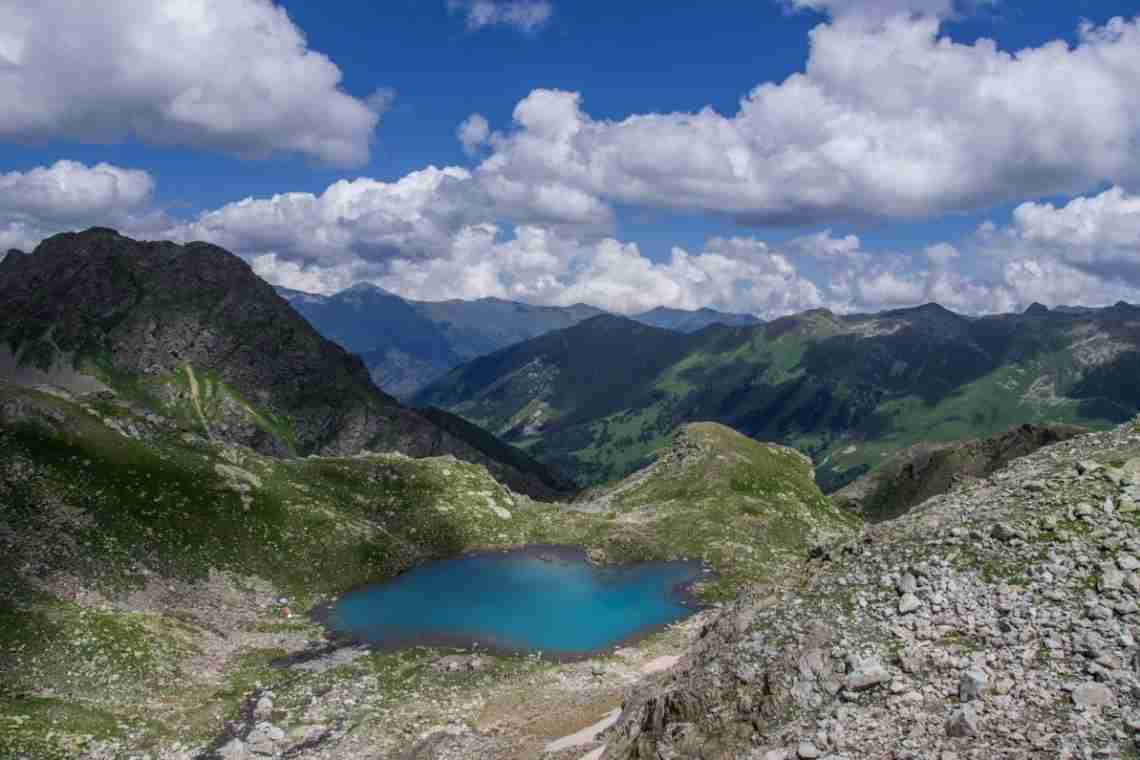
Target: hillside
pixel 406 344
pixel 744 507
pixel 919 472
pixel 191 332
pixel 152 581
pixel 996 620
pixel 563 381
pixel 847 390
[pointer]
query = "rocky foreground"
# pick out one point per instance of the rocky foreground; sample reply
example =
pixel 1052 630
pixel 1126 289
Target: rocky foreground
pixel 999 620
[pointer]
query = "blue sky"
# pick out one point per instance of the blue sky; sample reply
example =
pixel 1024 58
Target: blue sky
pixel 575 204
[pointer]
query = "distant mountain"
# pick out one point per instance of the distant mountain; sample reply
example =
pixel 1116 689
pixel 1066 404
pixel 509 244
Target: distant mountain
pixel 192 332
pixel 596 400
pixel 406 344
pixel 686 321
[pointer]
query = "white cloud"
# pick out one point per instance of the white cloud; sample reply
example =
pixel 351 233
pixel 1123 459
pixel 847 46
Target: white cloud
pixel 1052 282
pixel 68 191
pixel 380 101
pixel 876 9
pixel 311 279
pixel 1100 234
pixel 538 265
pixel 49 199
pixel 941 254
pixel 229 75
pixel 415 216
pixel 888 120
pixel 524 15
pixel 473 133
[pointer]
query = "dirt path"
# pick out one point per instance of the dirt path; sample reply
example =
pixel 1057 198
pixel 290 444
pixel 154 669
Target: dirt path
pixel 196 399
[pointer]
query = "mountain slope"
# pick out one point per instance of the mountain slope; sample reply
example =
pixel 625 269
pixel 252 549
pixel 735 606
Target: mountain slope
pixel 142 569
pixel 153 583
pixel 406 344
pixel 846 390
pixel 563 380
pixel 993 621
pixel 191 331
pixel 924 470
pixel 686 321
pixel 744 507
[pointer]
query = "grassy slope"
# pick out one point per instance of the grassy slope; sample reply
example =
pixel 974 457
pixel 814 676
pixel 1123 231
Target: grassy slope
pixel 848 391
pixel 742 506
pixel 86 510
pixel 79 500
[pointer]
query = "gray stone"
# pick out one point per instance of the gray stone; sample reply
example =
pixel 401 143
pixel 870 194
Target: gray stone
pixel 1092 694
pixel 867 674
pixel 264 709
pixel 909 603
pixel 972 685
pixel 1003 532
pixel 808 751
pixel 1111 579
pixel 263 739
pixel 1087 466
pixel 907 584
pixel 234 749
pixel 963 723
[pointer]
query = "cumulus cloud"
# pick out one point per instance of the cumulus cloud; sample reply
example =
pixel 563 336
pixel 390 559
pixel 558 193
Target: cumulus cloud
pixel 230 75
pixel 413 217
pixel 538 265
pixel 1098 234
pixel 49 199
pixel 888 120
pixel 524 15
pixel 473 133
pixel 68 191
pixel 876 9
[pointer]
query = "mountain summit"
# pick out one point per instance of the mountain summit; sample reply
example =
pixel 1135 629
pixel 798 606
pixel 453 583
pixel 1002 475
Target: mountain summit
pixel 192 331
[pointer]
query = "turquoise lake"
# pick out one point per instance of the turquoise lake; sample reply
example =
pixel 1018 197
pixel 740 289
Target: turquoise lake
pixel 546 599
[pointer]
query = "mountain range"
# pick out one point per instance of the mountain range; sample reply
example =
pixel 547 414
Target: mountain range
pixel 190 331
pixel 187 465
pixel 597 399
pixel 406 344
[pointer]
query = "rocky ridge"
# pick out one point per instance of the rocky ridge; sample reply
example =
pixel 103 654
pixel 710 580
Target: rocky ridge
pixel 919 472
pixel 596 399
pixel 192 333
pixel 997 620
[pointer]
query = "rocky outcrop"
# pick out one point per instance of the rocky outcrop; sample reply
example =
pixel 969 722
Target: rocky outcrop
pixel 192 329
pixel 1018 637
pixel 919 472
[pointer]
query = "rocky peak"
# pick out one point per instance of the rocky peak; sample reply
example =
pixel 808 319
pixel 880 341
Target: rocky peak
pixel 192 328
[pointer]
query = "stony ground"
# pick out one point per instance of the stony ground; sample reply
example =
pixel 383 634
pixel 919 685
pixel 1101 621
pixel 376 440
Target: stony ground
pixel 997 621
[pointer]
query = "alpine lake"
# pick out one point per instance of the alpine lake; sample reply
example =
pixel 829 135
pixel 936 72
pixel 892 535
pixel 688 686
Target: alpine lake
pixel 537 599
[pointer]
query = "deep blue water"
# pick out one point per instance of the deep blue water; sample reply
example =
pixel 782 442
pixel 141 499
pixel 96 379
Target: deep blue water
pixel 535 599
